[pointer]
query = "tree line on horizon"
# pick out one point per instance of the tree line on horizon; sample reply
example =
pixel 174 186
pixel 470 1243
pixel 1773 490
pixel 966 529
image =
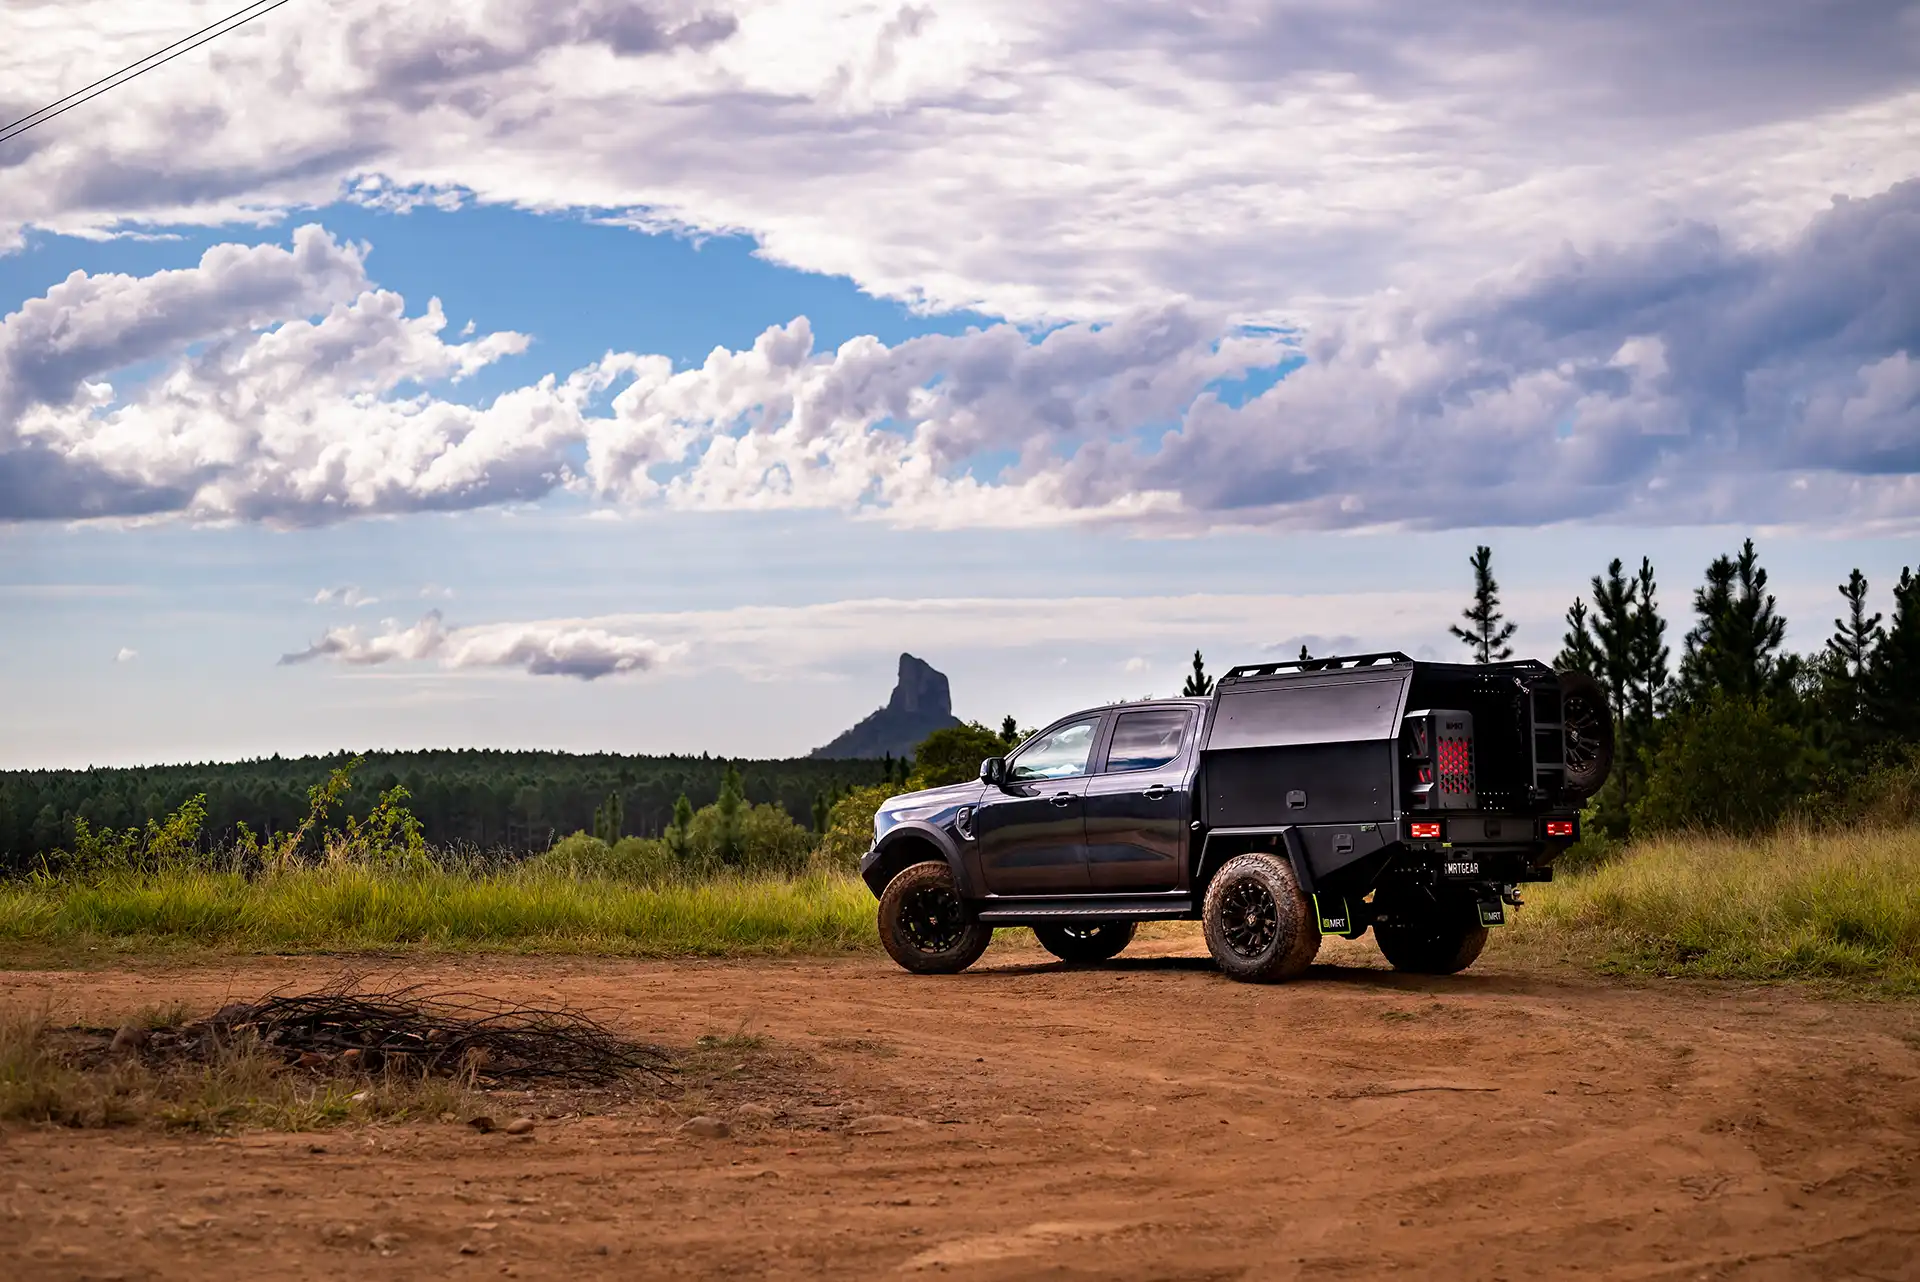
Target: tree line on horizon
pixel 483 800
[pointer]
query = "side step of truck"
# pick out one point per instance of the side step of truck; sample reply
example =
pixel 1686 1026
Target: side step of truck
pixel 1029 911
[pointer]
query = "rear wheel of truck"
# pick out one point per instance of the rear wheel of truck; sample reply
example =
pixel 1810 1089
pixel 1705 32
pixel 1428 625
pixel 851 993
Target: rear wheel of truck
pixel 1083 942
pixel 1425 936
pixel 1258 922
pixel 924 924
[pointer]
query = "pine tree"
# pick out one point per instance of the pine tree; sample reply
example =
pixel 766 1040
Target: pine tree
pixel 1648 656
pixel 1622 643
pixel 1893 671
pixel 1490 630
pixel 727 812
pixel 1734 648
pixel 1198 683
pixel 609 817
pixel 1614 619
pixel 1009 731
pixel 1578 652
pixel 1855 636
pixel 678 831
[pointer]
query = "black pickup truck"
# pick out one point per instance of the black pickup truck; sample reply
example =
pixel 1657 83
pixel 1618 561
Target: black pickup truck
pixel 1301 799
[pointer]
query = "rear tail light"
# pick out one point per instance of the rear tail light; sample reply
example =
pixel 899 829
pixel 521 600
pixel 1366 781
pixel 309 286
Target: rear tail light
pixel 1558 827
pixel 1425 830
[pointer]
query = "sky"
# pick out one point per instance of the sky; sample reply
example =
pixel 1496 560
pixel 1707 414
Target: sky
pixel 647 376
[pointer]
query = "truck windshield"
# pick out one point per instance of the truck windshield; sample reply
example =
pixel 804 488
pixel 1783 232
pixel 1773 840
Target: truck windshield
pixel 1057 754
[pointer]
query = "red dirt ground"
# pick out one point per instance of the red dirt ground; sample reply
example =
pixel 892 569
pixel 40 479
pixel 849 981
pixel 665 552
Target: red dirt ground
pixel 1147 1119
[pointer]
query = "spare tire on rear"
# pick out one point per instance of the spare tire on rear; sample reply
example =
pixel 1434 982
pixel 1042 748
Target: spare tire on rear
pixel 1587 722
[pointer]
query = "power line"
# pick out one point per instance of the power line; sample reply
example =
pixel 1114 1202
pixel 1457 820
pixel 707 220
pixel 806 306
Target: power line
pixel 88 93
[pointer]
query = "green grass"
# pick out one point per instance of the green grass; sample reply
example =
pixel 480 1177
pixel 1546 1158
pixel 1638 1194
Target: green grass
pixel 352 908
pixel 1836 906
pixel 1830 906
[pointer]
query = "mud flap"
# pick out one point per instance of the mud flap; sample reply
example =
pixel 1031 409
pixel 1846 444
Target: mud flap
pixel 1338 918
pixel 1493 914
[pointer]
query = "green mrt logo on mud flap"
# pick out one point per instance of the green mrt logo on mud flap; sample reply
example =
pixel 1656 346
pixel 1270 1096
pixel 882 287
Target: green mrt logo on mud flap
pixel 1336 918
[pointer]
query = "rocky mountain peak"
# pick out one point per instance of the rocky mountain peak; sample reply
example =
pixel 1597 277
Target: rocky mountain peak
pixel 922 702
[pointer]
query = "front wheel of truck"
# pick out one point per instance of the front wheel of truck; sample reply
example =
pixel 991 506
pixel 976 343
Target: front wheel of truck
pixel 1259 924
pixel 1434 937
pixel 1085 942
pixel 924 924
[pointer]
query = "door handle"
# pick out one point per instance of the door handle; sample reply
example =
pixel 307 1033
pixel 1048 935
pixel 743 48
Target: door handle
pixel 1062 798
pixel 1155 792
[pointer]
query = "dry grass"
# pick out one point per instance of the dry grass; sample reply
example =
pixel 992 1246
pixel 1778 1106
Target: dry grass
pixel 1799 904
pixel 50 1075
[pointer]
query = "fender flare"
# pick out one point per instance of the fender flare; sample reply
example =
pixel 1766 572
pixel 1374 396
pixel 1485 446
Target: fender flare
pixel 1290 844
pixel 906 844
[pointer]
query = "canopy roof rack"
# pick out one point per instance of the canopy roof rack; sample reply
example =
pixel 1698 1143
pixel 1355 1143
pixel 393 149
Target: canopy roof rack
pixel 1382 658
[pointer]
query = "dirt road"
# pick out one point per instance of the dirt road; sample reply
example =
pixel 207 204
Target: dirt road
pixel 1144 1120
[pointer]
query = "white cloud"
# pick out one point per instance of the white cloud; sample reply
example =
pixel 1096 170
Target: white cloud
pixel 348 595
pixel 306 422
pixel 126 655
pixel 1078 158
pixel 540 649
pixel 1683 379
pixel 782 642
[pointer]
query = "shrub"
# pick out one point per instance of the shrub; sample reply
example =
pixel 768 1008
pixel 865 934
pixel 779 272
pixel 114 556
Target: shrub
pixel 954 755
pixel 849 832
pixel 1730 766
pixel 1886 796
pixel 641 861
pixel 101 852
pixel 751 838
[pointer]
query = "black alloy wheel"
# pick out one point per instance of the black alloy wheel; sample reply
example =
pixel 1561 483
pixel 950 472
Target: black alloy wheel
pixel 1249 919
pixel 1087 941
pixel 933 918
pixel 925 924
pixel 1258 922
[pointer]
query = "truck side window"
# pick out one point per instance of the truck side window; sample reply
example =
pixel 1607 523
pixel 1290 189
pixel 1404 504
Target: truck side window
pixel 1143 740
pixel 1057 754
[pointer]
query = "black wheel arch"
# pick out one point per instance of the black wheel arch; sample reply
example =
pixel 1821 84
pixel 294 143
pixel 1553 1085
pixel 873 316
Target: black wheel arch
pixel 908 844
pixel 1216 850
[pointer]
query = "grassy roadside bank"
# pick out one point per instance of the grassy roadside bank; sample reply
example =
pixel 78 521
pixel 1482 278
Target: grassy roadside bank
pixel 1836 907
pixel 1832 906
pixel 355 908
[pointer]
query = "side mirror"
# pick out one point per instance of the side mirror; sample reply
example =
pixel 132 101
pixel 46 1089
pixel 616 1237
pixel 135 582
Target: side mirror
pixel 993 771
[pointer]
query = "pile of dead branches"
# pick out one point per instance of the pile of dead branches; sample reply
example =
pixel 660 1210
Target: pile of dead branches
pixel 413 1030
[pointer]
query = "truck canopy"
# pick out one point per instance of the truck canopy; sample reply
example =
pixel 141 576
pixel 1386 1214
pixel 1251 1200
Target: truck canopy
pixel 1319 741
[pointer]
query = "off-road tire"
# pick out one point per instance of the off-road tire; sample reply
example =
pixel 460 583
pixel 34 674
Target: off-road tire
pixel 1587 732
pixel 1434 938
pixel 924 925
pixel 1082 943
pixel 1259 925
